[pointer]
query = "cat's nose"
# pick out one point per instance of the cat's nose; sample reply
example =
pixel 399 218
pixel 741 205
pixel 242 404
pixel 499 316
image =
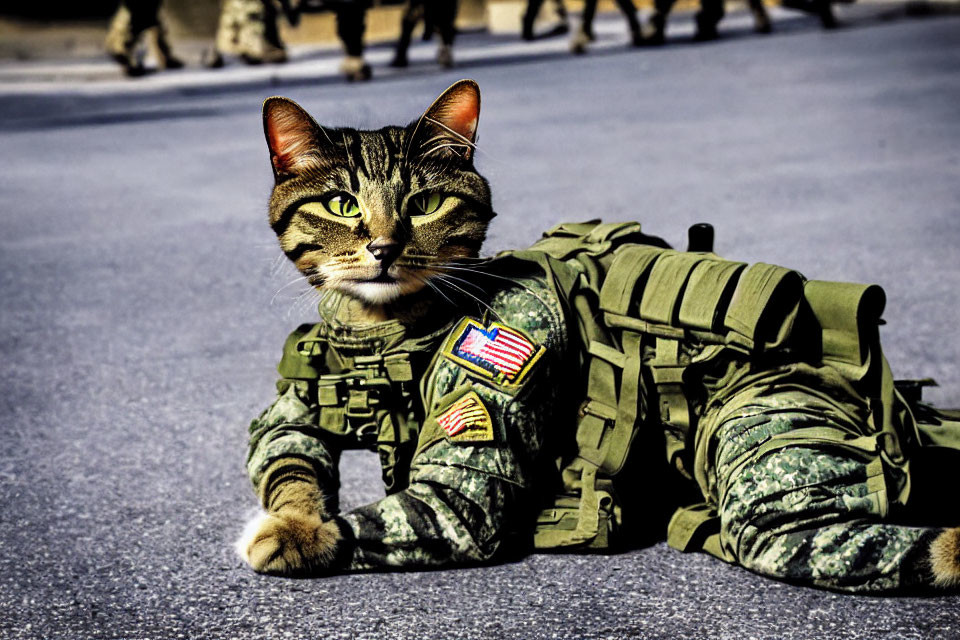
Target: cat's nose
pixel 385 250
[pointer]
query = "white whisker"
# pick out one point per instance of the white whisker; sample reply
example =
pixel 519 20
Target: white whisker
pixel 516 283
pixel 445 281
pixel 304 278
pixel 427 282
pixel 455 134
pixel 451 145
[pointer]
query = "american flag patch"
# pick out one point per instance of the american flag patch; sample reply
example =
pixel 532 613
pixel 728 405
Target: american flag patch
pixel 498 352
pixel 467 419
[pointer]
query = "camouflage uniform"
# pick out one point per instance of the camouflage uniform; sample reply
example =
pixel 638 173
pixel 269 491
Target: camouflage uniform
pixel 795 472
pixel 248 29
pixel 793 500
pixel 449 499
pixel 133 19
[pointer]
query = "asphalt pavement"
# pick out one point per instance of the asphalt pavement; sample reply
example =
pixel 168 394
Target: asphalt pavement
pixel 145 303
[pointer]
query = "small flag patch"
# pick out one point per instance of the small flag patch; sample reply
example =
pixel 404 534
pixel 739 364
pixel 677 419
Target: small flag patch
pixel 498 352
pixel 467 420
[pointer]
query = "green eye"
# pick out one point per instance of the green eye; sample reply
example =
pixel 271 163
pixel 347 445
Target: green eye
pixel 425 203
pixel 343 205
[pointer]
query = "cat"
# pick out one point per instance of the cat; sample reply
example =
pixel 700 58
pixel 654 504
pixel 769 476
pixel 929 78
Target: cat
pixel 424 205
pixel 405 175
pixel 468 377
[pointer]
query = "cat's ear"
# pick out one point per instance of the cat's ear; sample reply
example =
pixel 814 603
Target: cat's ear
pixel 292 136
pixel 449 126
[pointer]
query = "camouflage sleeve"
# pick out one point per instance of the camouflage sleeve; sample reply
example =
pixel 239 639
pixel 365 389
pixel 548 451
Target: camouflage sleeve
pixel 475 468
pixel 286 443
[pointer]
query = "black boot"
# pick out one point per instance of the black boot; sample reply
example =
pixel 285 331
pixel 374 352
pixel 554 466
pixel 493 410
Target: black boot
pixel 654 31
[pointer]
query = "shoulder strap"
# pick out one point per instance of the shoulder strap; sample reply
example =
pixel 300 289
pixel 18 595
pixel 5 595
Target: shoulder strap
pixel 300 351
pixel 567 240
pixel 764 306
pixel 708 293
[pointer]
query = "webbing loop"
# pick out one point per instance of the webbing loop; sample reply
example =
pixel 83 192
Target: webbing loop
pixel 764 306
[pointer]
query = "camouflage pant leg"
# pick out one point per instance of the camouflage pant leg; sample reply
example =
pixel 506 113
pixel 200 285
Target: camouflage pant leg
pixel 249 28
pixel 806 513
pixel 351 23
pixel 131 21
pixel 120 36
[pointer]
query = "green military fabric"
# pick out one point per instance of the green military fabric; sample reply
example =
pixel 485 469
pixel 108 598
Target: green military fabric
pixel 134 20
pixel 768 394
pixel 812 510
pixel 248 28
pixel 773 395
pixel 447 501
pixel 588 512
pixel 797 483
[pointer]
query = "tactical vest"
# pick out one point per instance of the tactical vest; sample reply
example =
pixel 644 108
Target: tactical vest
pixel 642 307
pixel 367 385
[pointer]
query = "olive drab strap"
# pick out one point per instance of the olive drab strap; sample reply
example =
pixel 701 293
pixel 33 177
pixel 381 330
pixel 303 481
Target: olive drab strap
pixel 710 284
pixel 935 427
pixel 587 514
pixel 567 241
pixel 763 307
pixel 849 317
pixel 372 403
pixel 641 304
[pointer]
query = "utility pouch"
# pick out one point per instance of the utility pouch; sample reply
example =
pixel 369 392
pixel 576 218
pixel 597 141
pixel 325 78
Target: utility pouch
pixel 587 515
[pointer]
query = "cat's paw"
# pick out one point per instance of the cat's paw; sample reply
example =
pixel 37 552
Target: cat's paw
pixel 289 543
pixel 945 558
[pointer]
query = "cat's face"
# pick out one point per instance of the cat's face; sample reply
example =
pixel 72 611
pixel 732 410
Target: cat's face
pixel 376 214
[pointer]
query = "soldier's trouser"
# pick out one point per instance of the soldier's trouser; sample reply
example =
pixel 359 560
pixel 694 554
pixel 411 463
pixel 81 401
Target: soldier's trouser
pixel 533 8
pixel 711 11
pixel 627 7
pixel 131 19
pixel 249 28
pixel 808 512
pixel 351 19
pixel 444 16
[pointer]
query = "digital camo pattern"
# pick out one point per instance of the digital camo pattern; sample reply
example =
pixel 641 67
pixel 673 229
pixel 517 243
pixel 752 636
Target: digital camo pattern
pixel 460 500
pixel 464 500
pixel 288 429
pixel 132 22
pixel 808 513
pixel 249 28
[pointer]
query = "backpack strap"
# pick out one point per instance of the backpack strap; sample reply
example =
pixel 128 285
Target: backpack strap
pixel 695 528
pixel 763 307
pixel 665 286
pixel 629 269
pixel 707 294
pixel 848 315
pixel 586 515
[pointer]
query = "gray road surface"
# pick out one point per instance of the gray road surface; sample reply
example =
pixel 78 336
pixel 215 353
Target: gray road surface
pixel 144 308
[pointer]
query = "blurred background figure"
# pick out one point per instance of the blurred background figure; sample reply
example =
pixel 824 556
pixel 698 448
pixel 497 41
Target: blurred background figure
pixel 351 23
pixel 821 8
pixel 248 30
pixel 530 16
pixel 133 20
pixel 707 19
pixel 712 11
pixel 585 36
pixel 437 15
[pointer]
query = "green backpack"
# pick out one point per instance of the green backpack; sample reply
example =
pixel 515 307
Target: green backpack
pixel 646 314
